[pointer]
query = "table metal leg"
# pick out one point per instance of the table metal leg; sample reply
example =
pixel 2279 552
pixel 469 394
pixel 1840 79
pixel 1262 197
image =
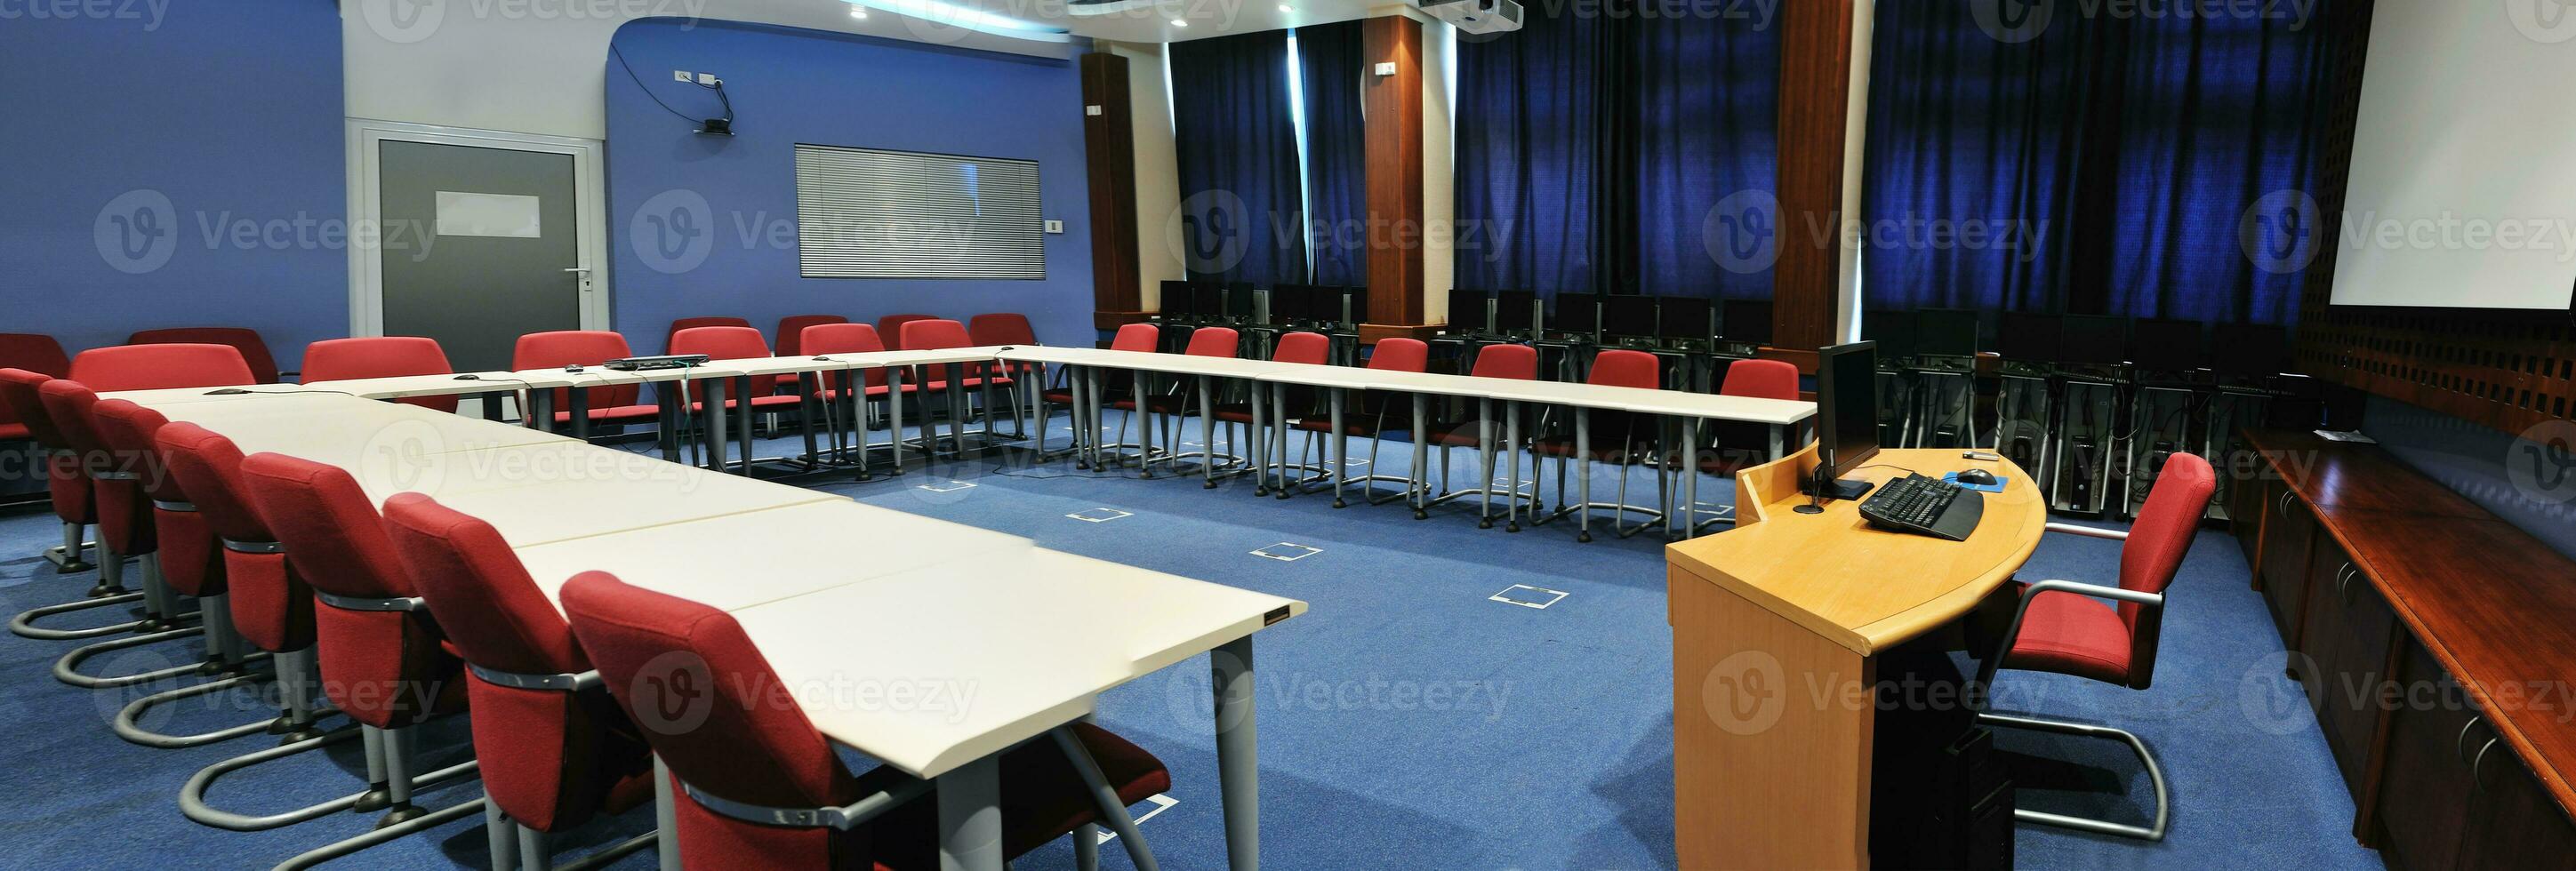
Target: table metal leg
pixel 1690 496
pixel 1341 450
pixel 1279 421
pixel 808 403
pixel 1583 468
pixel 1095 420
pixel 1419 481
pixel 540 410
pixel 1485 464
pixel 580 413
pixel 1512 446
pixel 666 818
pixel 1779 441
pixel 1207 432
pixel 956 394
pixel 1144 427
pixel 1237 757
pixel 1260 439
pixel 970 816
pixel 894 413
pixel 743 421
pixel 718 448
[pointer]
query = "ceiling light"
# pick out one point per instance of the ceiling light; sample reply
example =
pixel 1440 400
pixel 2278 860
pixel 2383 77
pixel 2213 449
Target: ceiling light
pixel 1283 7
pixel 859 12
pixel 1179 23
pixel 967 17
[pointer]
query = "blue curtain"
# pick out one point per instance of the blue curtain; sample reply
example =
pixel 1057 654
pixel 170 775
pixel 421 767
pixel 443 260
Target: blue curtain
pixel 1535 147
pixel 2091 164
pixel 1236 143
pixel 1707 143
pixel 1330 62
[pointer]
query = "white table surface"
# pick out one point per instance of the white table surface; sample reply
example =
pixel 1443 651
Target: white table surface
pixel 194 395
pixel 1173 364
pixel 325 427
pixel 738 560
pixel 412 386
pixel 582 506
pixel 1017 643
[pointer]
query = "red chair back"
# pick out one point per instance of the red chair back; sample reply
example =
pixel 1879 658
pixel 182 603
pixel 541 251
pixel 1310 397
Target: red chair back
pixel 1141 338
pixel 2158 540
pixel 270 604
pixel 1214 342
pixel 124 512
pixel 1309 348
pixel 1517 362
pixel 694 323
pixel 846 338
pixel 891 326
pixel 928 334
pixel 660 653
pixel 791 332
pixel 1761 379
pixel 34 352
pixel 253 350
pixel 191 562
pixel 562 348
pixel 1623 368
pixel 560 746
pixel 380 357
pixel 382 668
pixel 1400 355
pixel 158 367
pixel 724 343
pixel 22 395
pixel 1003 328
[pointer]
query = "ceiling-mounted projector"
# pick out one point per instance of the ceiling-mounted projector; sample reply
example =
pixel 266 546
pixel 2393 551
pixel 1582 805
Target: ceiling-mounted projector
pixel 1477 16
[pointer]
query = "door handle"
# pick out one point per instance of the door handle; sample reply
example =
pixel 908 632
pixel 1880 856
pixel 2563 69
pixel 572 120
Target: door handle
pixel 2343 583
pixel 2460 745
pixel 2478 767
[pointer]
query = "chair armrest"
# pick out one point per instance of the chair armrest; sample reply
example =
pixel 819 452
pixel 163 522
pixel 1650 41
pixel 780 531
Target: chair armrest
pixel 845 817
pixel 2150 617
pixel 2089 532
pixel 351 603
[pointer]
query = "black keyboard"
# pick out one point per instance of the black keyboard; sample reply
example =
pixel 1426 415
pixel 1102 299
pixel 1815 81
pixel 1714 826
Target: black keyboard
pixel 639 364
pixel 1924 505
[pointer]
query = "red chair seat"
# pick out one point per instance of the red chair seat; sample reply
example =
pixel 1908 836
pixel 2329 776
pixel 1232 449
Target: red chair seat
pixel 2071 634
pixel 1465 433
pixel 616 414
pixel 1041 795
pixel 13 432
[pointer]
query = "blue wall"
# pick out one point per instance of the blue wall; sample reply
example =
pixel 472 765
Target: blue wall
pixel 2498 471
pixel 797 86
pixel 212 117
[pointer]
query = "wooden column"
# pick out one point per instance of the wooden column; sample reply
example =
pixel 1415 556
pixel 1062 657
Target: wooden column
pixel 1394 107
pixel 1815 92
pixel 1109 148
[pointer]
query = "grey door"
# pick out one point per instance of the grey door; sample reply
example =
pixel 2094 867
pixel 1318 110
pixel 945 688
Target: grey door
pixel 480 245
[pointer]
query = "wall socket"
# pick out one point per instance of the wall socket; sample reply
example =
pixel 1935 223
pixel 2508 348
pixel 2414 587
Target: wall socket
pixel 683 76
pixel 1055 226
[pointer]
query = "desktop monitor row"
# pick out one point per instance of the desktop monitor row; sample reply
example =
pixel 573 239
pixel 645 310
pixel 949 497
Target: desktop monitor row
pixel 2150 344
pixel 1240 302
pixel 1611 316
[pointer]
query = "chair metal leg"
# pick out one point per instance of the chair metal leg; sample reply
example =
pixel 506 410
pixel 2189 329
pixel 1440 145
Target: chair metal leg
pixel 66 557
pixel 1112 810
pixel 2155 776
pixel 500 837
pixel 384 835
pixel 226 648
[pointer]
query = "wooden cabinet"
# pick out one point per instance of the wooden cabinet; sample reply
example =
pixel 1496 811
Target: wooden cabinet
pixel 2246 497
pixel 2288 529
pixel 2452 795
pixel 2346 635
pixel 2512 823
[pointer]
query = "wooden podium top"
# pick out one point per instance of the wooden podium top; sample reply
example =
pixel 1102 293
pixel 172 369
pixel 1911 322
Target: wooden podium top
pixel 1863 588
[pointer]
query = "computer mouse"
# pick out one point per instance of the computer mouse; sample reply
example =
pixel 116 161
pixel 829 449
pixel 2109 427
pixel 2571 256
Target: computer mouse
pixel 1979 477
pixel 469 377
pixel 572 368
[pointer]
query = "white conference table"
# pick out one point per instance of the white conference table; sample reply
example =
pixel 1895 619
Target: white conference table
pixel 729 562
pixel 1089 393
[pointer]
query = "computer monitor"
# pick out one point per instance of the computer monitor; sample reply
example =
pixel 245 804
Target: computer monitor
pixel 1747 321
pixel 2167 345
pixel 1627 314
pixel 1686 318
pixel 1891 329
pixel 2253 350
pixel 1355 300
pixel 1576 313
pixel 1945 332
pixel 2029 337
pixel 1515 311
pixel 1242 302
pixel 1470 310
pixel 1846 420
pixel 1177 299
pixel 1288 302
pixel 2093 340
pixel 1207 300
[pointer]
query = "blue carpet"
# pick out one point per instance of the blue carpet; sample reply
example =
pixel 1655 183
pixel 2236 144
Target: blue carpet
pixel 1407 721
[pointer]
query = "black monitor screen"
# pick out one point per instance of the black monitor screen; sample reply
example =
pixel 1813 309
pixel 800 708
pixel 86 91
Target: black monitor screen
pixel 1288 302
pixel 1891 329
pixel 1625 314
pixel 1241 300
pixel 2253 349
pixel 1176 298
pixel 1945 332
pixel 1515 310
pixel 2166 345
pixel 1357 298
pixel 2029 337
pixel 1846 407
pixel 1207 299
pixel 1685 317
pixel 1747 321
pixel 1576 313
pixel 1467 309
pixel 2093 339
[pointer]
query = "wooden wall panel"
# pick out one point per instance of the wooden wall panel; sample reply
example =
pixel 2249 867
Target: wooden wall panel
pixel 1109 155
pixel 1815 94
pixel 2508 371
pixel 1394 171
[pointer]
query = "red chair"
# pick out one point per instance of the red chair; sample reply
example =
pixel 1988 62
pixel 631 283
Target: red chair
pixel 253 349
pixel 1311 349
pixel 615 404
pixel 848 394
pixel 125 523
pixel 933 334
pixel 730 343
pixel 191 563
pixel 380 357
pixel 791 341
pixel 1141 338
pixel 1509 362
pixel 1733 450
pixel 1628 445
pixel 75 504
pixel 996 330
pixel 384 661
pixel 1174 402
pixel 28 352
pixel 892 326
pixel 750 757
pixel 2059 626
pixel 560 750
pixel 681 324
pixel 1369 421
